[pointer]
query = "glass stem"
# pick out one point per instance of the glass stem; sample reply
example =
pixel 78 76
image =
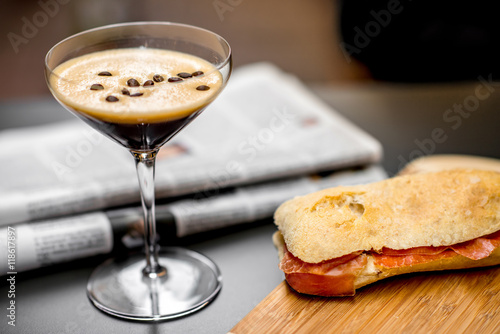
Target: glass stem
pixel 145 165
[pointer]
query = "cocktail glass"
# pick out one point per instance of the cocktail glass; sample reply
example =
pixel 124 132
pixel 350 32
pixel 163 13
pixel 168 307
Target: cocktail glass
pixel 166 282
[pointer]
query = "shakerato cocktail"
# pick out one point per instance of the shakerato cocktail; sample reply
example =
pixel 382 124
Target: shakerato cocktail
pixel 138 96
pixel 140 83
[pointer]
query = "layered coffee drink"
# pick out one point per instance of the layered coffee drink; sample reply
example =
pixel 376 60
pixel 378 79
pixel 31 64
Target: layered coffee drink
pixel 139 97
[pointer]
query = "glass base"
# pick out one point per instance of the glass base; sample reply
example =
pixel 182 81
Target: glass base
pixel 120 288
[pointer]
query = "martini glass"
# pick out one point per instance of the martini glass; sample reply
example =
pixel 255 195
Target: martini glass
pixel 142 115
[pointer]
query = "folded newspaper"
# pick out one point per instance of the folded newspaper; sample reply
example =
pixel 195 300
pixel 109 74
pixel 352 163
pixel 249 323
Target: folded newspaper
pixel 57 240
pixel 265 126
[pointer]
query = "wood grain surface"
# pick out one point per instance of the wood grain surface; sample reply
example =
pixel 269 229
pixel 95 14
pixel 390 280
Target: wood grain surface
pixel 459 301
pixel 466 301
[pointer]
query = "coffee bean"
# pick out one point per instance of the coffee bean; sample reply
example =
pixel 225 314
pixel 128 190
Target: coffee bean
pixel 105 74
pixel 184 75
pixel 96 87
pixel 111 98
pixel 148 83
pixel 174 79
pixel 133 83
pixel 158 78
pixel 136 94
pixel 125 91
pixel 202 87
pixel 197 73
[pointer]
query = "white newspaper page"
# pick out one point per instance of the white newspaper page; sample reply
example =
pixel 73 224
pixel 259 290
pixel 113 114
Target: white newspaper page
pixel 251 203
pixel 47 242
pixel 265 125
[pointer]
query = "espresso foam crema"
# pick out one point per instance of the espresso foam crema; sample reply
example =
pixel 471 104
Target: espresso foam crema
pixel 71 83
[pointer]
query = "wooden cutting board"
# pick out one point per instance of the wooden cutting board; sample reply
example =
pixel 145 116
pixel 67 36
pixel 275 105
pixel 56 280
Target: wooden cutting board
pixel 440 302
pixel 454 302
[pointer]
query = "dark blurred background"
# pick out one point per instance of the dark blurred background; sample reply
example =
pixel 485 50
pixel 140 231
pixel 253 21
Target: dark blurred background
pixel 334 41
pixel 299 36
pixel 422 41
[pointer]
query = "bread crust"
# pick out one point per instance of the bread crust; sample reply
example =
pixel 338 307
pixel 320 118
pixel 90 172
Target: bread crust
pixel 430 209
pixel 434 163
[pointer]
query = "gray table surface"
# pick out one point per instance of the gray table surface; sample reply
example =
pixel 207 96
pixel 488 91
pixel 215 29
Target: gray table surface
pixel 401 117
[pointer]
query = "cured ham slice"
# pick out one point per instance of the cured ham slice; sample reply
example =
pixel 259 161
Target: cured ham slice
pixel 329 278
pixel 336 277
pixel 395 261
pixel 292 264
pixel 479 248
pixel 475 249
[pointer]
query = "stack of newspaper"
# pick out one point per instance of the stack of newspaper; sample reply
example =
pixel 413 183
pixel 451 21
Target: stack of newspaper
pixel 264 140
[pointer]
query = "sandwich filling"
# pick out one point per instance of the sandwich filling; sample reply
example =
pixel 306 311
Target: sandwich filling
pixel 377 230
pixel 336 277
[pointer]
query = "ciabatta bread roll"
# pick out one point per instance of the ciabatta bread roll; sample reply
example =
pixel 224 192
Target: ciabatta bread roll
pixel 439 162
pixel 334 241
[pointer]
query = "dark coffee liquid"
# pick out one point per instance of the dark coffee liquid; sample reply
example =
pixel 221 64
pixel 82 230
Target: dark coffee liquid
pixel 142 136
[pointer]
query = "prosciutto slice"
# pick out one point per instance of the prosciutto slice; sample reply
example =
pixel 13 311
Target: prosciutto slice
pixel 336 277
pixel 479 248
pixel 328 278
pixel 475 249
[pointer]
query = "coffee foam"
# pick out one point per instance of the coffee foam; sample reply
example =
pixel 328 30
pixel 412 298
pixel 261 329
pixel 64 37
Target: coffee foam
pixel 71 82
